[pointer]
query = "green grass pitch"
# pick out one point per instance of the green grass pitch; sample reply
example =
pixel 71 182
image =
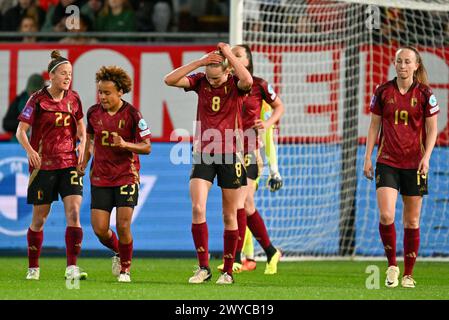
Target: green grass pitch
pixel 166 279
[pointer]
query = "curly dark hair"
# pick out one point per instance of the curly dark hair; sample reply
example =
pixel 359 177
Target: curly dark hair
pixel 117 75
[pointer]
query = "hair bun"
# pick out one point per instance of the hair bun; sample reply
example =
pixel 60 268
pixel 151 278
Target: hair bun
pixel 55 54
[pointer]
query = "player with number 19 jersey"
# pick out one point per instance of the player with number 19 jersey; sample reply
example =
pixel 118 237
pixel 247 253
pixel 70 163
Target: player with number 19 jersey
pixel 403 132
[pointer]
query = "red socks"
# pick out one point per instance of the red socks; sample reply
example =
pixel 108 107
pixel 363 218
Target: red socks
pixel 258 229
pixel 73 240
pixel 241 221
pixel 35 240
pixel 201 238
pixel 388 236
pixel 411 246
pixel 126 255
pixel 231 237
pixel 111 243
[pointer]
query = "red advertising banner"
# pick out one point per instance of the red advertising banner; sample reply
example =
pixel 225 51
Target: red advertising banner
pixel 312 92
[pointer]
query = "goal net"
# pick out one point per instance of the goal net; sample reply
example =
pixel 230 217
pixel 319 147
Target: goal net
pixel 325 58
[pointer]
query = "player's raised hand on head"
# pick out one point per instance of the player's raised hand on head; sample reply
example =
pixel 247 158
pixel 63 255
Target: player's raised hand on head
pixel 211 58
pixel 224 47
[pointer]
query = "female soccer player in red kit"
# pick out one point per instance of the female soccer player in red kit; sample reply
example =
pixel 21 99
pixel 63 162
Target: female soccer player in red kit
pixel 118 134
pixel 216 149
pixel 247 213
pixel 404 111
pixel 56 117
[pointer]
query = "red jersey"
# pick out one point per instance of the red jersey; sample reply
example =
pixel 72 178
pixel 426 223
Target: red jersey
pixel 261 90
pixel 54 126
pixel 219 114
pixel 403 132
pixel 113 166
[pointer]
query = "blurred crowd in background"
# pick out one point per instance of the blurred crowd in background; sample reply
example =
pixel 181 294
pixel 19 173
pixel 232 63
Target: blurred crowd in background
pixel 113 16
pixel 306 18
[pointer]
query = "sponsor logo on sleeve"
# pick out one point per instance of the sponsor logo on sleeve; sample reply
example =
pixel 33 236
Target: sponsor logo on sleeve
pixel 434 104
pixel 434 109
pixel 142 124
pixel 433 100
pixel 27 112
pixel 373 101
pixel 271 92
pixel 145 133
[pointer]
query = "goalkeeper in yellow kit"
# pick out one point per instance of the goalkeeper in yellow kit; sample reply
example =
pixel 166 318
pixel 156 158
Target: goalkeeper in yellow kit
pixel 262 109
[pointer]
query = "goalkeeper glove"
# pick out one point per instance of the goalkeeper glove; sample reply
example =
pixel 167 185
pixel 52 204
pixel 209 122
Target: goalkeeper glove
pixel 275 182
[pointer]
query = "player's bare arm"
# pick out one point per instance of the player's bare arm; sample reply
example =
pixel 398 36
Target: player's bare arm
pixel 81 134
pixel 431 138
pixel 373 132
pixel 278 111
pixel 178 77
pixel 88 149
pixel 21 134
pixel 245 78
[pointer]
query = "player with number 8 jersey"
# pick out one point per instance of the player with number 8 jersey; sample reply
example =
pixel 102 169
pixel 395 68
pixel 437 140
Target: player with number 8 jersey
pixel 218 108
pixel 216 149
